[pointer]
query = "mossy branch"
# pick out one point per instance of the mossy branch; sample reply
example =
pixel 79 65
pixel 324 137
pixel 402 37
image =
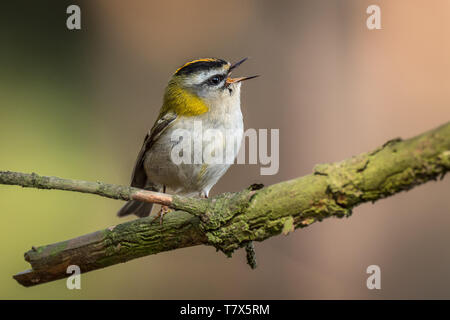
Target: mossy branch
pixel 232 220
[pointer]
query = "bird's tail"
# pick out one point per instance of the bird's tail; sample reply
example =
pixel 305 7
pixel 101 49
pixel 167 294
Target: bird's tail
pixel 139 208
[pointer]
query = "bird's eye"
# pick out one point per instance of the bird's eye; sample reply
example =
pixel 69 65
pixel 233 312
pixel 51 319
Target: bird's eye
pixel 215 80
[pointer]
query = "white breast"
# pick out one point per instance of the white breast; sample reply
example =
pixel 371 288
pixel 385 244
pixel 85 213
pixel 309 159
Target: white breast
pixel 195 178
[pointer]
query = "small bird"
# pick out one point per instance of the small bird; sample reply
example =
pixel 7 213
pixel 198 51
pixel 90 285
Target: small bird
pixel 201 91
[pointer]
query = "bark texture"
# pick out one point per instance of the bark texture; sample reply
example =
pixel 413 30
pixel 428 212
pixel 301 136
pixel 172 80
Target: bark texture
pixel 232 220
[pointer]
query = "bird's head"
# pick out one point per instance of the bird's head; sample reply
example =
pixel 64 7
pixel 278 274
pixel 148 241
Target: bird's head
pixel 201 84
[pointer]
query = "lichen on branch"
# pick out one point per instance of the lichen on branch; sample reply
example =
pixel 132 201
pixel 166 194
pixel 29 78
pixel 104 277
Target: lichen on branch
pixel 233 220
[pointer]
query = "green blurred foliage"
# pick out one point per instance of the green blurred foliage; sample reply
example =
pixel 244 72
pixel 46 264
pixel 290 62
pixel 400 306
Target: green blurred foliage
pixel 46 126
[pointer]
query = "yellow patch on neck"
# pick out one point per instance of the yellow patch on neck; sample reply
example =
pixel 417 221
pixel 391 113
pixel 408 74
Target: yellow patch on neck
pixel 183 102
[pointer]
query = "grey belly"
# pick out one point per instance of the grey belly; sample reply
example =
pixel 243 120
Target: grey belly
pixel 183 178
pixel 192 178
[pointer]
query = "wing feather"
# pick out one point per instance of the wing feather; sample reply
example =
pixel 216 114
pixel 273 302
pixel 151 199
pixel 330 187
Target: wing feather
pixel 139 177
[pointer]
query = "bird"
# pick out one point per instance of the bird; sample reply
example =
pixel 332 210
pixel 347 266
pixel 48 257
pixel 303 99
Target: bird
pixel 200 92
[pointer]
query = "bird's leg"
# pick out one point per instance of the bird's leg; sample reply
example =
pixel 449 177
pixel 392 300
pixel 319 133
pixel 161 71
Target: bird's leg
pixel 161 213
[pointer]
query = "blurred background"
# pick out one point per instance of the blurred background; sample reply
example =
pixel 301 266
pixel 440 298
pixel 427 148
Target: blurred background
pixel 77 104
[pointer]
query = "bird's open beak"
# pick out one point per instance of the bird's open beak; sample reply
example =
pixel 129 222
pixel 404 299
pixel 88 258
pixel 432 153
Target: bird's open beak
pixel 234 80
pixel 237 64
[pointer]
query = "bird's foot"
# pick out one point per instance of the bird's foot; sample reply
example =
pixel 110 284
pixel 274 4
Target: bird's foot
pixel 161 213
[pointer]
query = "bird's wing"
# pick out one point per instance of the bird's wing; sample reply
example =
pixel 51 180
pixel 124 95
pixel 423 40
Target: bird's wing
pixel 139 176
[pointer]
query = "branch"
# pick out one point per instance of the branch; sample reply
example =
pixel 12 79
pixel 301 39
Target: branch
pixel 231 220
pixel 102 189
